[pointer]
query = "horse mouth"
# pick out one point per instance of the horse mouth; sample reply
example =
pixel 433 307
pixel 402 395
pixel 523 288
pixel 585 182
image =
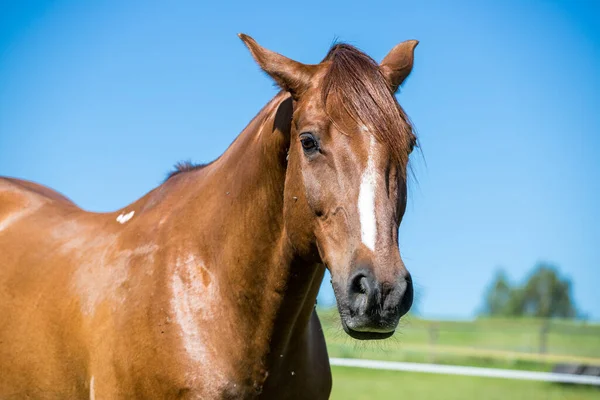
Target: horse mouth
pixel 366 335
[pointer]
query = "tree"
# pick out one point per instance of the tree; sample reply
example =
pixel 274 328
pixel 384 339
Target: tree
pixel 548 295
pixel 498 295
pixel 544 294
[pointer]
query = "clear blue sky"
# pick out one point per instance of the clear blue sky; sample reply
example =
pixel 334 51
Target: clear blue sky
pixel 99 99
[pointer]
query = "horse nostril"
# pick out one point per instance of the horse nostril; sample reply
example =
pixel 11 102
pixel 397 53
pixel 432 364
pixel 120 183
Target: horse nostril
pixel 387 289
pixel 407 298
pixel 398 298
pixel 360 285
pixel 361 291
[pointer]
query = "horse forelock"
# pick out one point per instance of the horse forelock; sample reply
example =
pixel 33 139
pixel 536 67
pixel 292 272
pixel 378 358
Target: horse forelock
pixel 354 86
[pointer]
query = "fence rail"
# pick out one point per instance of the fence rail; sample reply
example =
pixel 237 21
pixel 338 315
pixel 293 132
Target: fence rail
pixel 466 371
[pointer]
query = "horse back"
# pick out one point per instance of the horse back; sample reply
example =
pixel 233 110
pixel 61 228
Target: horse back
pixel 36 313
pixel 20 199
pixel 82 304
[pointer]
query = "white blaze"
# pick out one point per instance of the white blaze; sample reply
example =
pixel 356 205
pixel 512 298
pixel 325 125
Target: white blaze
pixel 366 200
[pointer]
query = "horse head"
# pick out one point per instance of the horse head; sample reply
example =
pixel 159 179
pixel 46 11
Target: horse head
pixel 345 189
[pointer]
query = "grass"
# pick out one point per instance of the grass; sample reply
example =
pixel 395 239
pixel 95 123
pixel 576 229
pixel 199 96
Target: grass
pixel 358 383
pixel 489 342
pixel 486 342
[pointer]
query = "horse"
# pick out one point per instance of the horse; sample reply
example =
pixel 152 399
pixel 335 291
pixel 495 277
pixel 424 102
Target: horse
pixel 206 286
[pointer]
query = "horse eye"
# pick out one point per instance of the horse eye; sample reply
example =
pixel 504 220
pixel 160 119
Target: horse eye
pixel 309 143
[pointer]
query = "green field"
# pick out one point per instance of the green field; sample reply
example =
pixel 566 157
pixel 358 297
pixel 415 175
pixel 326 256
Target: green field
pixel 526 344
pixel 359 384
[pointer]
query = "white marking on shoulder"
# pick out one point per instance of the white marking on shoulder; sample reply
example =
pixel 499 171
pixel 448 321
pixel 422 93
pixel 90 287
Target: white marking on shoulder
pixel 366 201
pixel 190 303
pixel 92 393
pixel 125 217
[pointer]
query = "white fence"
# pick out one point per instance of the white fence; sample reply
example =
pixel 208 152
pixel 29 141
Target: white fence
pixel 466 371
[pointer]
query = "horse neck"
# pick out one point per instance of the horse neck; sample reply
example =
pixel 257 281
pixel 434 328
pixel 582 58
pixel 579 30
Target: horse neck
pixel 271 291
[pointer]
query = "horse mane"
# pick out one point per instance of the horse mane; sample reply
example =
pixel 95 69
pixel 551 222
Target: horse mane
pixel 354 84
pixel 184 166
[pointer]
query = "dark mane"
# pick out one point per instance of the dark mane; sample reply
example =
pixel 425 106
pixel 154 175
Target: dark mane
pixel 184 166
pixel 355 84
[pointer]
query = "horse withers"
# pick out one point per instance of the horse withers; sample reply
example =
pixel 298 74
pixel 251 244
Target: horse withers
pixel 205 287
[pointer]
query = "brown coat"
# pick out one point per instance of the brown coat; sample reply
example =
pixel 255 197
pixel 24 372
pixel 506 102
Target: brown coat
pixel 205 287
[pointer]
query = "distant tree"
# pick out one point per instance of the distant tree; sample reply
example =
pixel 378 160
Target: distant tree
pixel 545 294
pixel 514 308
pixel 498 295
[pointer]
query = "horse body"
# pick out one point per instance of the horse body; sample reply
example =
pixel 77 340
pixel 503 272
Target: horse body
pixel 206 286
pixel 97 303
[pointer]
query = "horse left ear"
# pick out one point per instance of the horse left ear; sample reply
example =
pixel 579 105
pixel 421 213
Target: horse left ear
pixel 396 66
pixel 290 75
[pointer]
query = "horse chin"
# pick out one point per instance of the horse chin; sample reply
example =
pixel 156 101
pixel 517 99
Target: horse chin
pixel 366 335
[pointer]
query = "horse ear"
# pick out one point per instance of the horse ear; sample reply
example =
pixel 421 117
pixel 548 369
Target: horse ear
pixel 396 66
pixel 290 75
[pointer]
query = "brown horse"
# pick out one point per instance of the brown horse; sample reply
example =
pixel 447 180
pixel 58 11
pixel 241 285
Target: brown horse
pixel 206 286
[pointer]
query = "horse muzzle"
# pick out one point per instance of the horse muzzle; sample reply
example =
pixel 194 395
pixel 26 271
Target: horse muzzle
pixel 371 309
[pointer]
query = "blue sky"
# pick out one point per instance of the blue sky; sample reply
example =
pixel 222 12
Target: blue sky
pixel 99 99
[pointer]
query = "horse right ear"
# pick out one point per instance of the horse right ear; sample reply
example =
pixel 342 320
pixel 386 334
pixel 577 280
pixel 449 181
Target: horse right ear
pixel 290 75
pixel 396 66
